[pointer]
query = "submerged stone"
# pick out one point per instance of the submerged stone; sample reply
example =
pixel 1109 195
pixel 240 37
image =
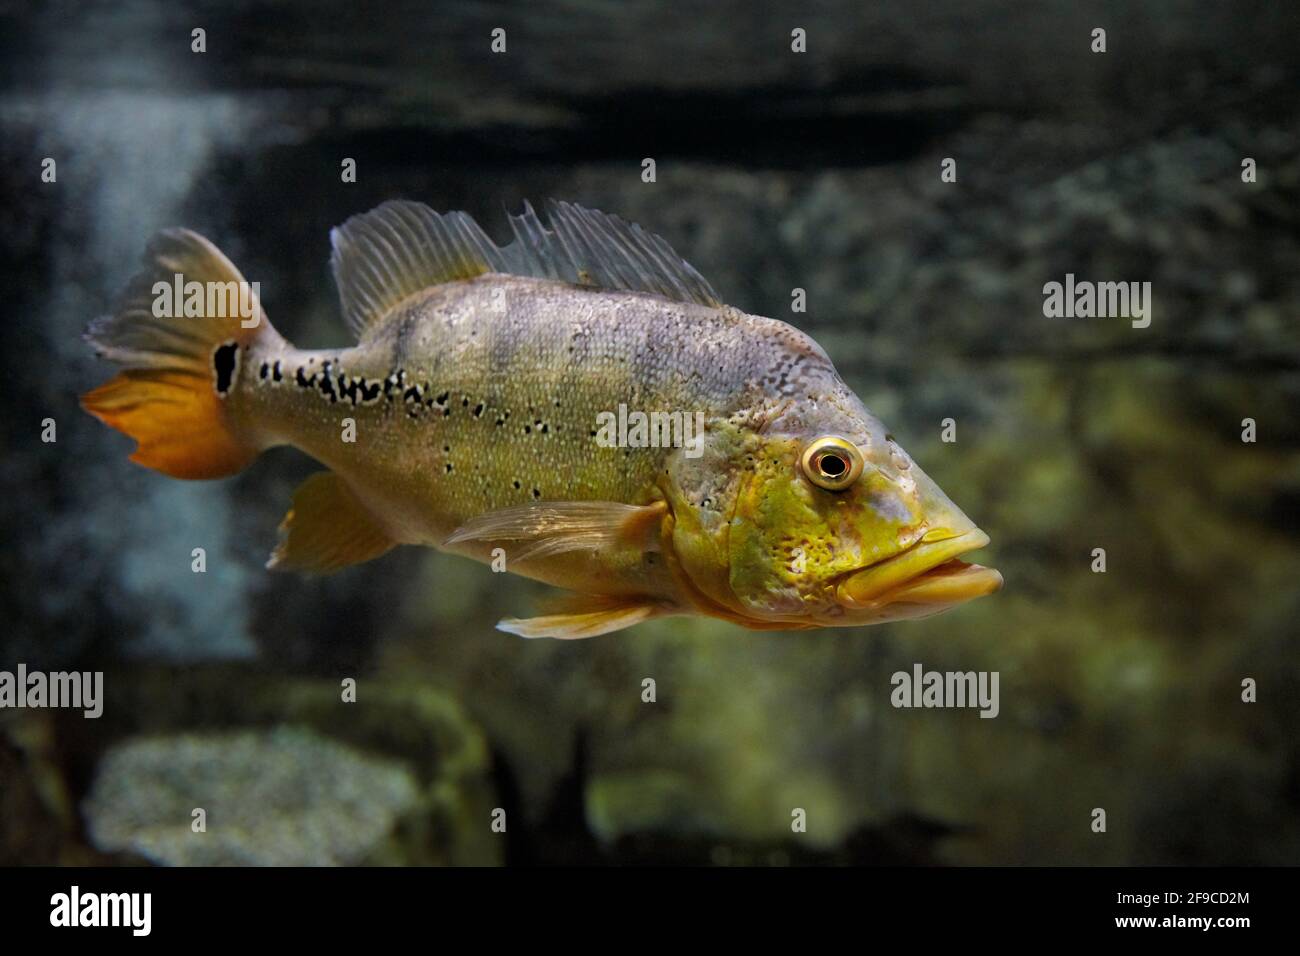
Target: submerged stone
pixel 285 797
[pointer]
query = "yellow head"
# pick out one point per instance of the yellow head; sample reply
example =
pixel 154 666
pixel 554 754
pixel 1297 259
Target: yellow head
pixel 818 518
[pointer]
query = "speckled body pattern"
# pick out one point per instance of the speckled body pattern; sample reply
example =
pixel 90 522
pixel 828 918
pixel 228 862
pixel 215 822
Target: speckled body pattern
pixel 469 417
pixel 483 394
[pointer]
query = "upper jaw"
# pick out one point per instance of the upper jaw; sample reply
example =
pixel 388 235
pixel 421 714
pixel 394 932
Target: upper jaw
pixel 925 574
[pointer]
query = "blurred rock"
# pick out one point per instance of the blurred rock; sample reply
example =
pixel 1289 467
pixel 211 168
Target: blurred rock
pixel 285 797
pixel 433 788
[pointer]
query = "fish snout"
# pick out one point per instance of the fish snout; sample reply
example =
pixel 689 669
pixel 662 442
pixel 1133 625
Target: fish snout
pixel 927 573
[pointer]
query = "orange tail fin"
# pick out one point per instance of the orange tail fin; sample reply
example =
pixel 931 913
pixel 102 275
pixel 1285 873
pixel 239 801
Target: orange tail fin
pixel 181 333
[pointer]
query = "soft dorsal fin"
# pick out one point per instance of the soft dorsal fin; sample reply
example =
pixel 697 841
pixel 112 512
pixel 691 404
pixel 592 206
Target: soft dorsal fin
pixel 399 248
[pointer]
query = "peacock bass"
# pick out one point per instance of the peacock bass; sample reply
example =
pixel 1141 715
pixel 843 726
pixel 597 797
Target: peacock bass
pixel 472 415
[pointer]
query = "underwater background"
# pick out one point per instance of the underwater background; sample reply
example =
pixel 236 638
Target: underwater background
pixel 775 171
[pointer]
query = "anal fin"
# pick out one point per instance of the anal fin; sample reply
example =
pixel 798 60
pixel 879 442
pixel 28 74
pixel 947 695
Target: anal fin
pixel 586 615
pixel 327 529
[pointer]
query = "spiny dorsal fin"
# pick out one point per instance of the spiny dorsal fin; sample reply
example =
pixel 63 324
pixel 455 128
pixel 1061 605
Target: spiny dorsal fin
pixel 401 247
pixel 592 248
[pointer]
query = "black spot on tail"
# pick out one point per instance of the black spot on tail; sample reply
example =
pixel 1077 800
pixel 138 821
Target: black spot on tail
pixel 224 362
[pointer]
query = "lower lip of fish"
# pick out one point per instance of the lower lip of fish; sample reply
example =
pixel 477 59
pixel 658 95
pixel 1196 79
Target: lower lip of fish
pixel 929 573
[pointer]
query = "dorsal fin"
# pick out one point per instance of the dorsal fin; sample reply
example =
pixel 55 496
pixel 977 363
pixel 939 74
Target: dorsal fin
pixel 593 248
pixel 399 248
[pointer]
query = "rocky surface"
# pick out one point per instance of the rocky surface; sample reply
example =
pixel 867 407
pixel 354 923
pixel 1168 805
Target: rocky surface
pixel 285 797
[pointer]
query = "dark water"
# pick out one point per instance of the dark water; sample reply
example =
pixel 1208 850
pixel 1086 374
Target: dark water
pixel 775 171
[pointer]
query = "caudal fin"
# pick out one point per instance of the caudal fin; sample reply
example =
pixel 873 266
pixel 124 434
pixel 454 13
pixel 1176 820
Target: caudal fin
pixel 180 333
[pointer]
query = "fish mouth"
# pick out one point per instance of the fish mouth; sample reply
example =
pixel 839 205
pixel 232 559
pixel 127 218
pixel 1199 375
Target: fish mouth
pixel 927 573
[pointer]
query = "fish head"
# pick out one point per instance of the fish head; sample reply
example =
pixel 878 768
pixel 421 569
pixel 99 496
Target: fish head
pixel 831 523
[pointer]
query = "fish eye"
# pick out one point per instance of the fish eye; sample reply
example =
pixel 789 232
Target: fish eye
pixel 831 462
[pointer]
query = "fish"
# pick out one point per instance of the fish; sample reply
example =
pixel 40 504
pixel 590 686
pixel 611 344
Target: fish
pixel 516 405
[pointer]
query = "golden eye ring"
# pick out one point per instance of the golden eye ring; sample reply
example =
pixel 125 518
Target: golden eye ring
pixel 831 462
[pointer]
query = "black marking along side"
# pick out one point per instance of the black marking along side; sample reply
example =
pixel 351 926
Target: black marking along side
pixel 225 366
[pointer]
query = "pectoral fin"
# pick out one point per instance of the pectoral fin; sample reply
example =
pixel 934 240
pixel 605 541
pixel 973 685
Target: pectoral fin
pixel 327 529
pixel 586 615
pixel 554 527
